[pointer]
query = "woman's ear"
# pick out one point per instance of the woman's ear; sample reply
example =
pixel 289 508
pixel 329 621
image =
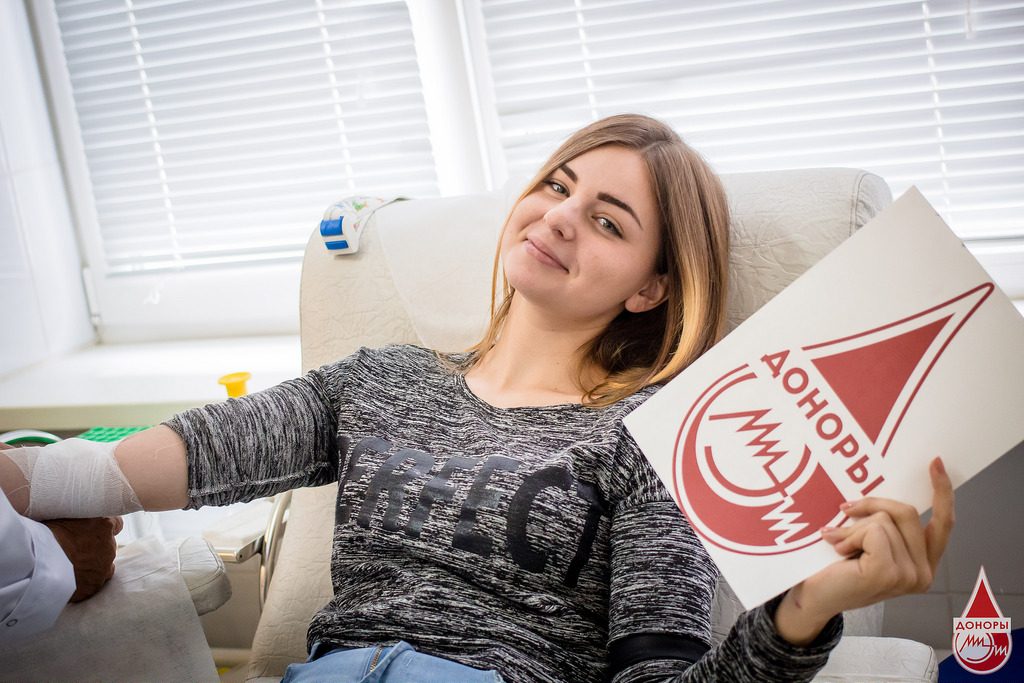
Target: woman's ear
pixel 652 294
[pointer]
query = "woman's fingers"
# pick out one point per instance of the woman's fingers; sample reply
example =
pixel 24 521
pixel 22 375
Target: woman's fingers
pixel 878 543
pixel 943 513
pixel 916 550
pixel 905 530
pixel 888 552
pixel 930 542
pixel 884 565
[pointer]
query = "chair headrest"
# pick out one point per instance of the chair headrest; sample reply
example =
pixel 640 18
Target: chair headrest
pixel 438 254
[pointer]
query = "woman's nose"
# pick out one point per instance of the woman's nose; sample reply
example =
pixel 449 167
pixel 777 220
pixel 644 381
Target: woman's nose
pixel 563 218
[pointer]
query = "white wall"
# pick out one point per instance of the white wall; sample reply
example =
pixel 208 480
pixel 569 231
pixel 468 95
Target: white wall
pixel 41 292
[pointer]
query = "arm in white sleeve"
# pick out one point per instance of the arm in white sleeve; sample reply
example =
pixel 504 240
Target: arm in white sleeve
pixel 36 577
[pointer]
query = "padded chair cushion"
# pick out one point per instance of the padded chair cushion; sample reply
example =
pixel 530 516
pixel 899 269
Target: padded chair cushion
pixel 423 270
pixel 784 222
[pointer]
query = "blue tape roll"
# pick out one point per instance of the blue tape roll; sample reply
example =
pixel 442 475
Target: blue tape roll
pixel 331 227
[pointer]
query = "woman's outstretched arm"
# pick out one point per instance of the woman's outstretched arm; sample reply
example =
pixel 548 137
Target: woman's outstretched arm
pixel 236 450
pixel 81 478
pixel 155 464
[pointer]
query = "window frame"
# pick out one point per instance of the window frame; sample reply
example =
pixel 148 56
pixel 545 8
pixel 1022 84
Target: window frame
pixel 459 99
pixel 123 305
pixel 1002 257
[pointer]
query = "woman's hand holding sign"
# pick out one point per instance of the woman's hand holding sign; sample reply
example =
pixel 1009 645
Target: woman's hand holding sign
pixel 888 553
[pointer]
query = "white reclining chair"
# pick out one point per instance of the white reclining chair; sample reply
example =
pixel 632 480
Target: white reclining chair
pixel 422 275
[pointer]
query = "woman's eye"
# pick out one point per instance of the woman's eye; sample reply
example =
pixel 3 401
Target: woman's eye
pixel 558 187
pixel 609 226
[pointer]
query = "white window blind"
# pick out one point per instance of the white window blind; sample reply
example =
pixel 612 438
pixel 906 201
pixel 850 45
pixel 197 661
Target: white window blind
pixel 216 130
pixel 213 133
pixel 927 93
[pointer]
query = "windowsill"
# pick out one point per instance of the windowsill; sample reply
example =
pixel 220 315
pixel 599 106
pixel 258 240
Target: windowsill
pixel 143 384
pixel 138 384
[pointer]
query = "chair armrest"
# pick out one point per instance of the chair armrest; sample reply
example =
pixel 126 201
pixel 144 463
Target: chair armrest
pixel 239 536
pixel 873 659
pixel 277 522
pixel 301 583
pixel 256 529
pixel 203 571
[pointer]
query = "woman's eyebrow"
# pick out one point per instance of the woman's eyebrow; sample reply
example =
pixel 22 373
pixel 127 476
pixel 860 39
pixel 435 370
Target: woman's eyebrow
pixel 605 197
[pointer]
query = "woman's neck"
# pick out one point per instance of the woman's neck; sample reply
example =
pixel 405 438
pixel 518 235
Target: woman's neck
pixel 534 363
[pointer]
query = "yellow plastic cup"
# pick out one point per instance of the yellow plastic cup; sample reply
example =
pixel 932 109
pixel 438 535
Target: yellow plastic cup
pixel 235 383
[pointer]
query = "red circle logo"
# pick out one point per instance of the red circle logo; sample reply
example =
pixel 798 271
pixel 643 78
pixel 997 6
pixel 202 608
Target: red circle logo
pixel 741 487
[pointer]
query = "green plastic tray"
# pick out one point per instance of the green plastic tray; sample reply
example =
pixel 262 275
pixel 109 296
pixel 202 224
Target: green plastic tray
pixel 109 433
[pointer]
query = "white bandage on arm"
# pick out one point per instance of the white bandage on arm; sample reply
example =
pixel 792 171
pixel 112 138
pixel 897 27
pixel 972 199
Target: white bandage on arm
pixel 74 478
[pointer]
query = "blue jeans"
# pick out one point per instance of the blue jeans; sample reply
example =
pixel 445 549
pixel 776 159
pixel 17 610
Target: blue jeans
pixel 398 664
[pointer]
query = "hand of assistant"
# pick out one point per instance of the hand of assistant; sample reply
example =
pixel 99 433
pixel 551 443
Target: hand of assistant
pixel 90 545
pixel 888 553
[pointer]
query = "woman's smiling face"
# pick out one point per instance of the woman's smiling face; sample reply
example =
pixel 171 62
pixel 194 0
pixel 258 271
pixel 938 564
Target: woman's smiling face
pixel 584 243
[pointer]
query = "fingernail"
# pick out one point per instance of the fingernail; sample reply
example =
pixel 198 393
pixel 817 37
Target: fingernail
pixel 826 529
pixel 940 466
pixel 845 505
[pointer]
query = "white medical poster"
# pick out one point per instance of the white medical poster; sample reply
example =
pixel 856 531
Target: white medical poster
pixel 894 349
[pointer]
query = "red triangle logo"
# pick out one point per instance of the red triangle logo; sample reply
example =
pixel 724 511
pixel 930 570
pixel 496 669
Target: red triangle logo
pixel 983 603
pixel 876 374
pixel 869 379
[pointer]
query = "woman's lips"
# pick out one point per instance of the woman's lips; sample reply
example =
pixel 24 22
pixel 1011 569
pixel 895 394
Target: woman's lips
pixel 542 253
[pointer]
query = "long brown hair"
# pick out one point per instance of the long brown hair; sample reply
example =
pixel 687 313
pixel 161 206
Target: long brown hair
pixel 640 349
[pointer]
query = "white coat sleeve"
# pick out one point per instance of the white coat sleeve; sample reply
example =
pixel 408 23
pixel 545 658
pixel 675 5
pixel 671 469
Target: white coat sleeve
pixel 36 577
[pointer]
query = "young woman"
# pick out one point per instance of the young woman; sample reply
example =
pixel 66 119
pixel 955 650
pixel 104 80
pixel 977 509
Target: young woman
pixel 493 513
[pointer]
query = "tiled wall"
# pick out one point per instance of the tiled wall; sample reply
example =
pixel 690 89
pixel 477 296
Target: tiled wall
pixel 41 294
pixel 989 531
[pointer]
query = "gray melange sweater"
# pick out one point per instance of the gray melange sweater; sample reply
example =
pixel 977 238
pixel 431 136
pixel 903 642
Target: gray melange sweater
pixel 534 541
